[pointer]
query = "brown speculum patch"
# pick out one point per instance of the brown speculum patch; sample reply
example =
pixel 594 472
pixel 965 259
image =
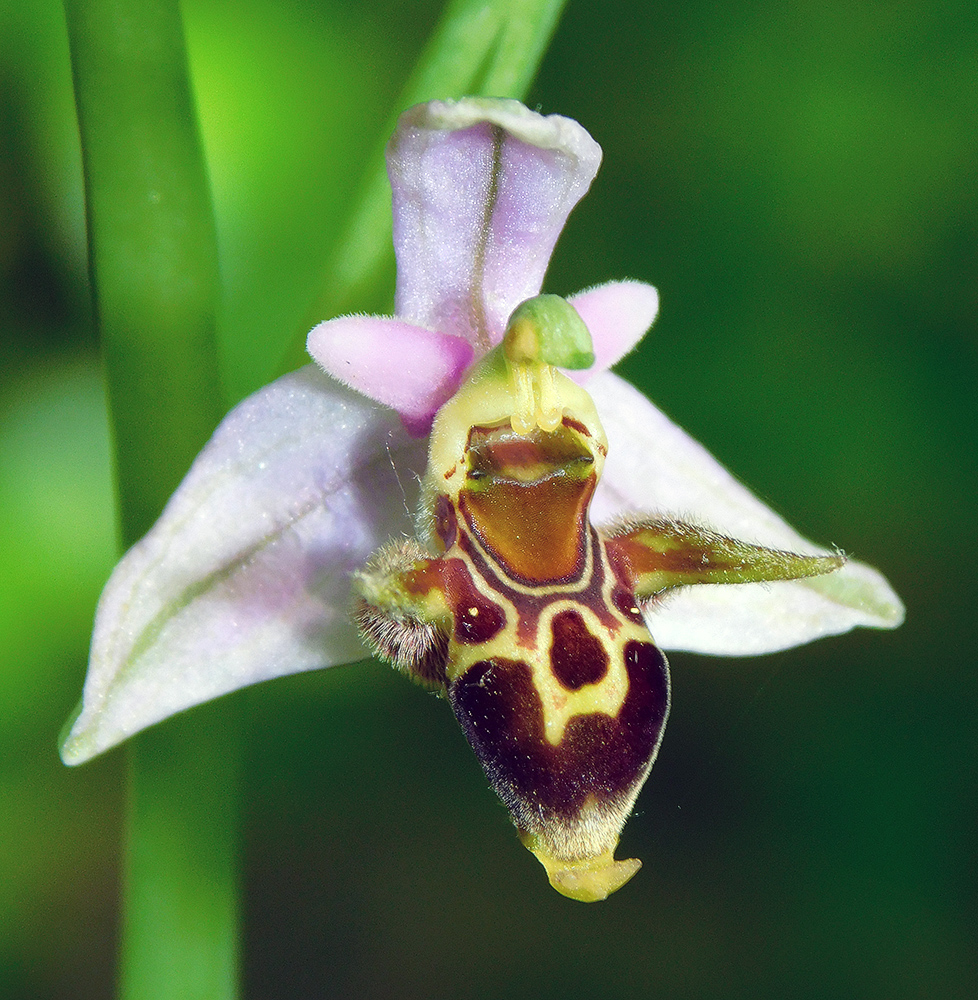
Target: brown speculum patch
pixel 526 498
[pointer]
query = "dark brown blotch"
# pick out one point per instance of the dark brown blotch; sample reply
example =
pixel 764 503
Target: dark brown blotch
pixel 600 758
pixel 477 619
pixel 627 603
pixel 446 523
pixel 576 655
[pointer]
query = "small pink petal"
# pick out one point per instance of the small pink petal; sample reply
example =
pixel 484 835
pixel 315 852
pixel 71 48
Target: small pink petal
pixel 406 367
pixel 482 188
pixel 618 315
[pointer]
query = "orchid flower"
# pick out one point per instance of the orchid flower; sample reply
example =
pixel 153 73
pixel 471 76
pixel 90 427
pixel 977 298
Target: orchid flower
pixel 300 538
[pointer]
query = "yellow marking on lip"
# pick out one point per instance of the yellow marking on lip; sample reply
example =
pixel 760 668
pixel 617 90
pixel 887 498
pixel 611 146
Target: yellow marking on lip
pixel 605 697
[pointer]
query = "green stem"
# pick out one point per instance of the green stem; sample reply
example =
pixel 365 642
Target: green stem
pixel 152 245
pixel 153 261
pixel 483 48
pixel 180 918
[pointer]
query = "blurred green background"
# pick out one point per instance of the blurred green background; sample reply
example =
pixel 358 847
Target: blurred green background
pixel 799 181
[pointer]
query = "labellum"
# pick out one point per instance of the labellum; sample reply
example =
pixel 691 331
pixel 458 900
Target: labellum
pixel 527 617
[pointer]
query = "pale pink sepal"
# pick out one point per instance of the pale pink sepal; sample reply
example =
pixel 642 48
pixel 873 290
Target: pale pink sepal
pixel 618 315
pixel 654 466
pixel 482 189
pixel 246 576
pixel 408 368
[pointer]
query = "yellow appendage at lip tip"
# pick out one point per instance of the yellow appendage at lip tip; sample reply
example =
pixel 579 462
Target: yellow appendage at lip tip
pixel 588 880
